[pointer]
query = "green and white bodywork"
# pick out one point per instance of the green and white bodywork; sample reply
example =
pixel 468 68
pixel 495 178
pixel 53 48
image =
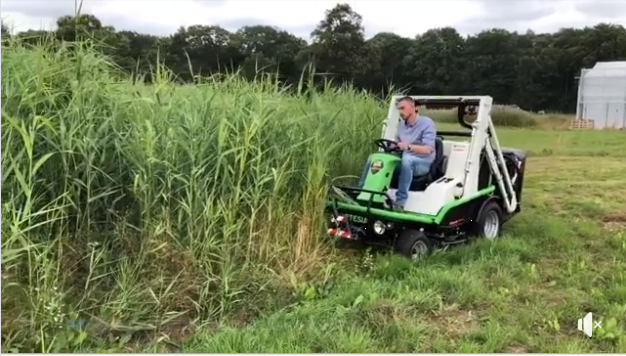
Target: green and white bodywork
pixel 467 175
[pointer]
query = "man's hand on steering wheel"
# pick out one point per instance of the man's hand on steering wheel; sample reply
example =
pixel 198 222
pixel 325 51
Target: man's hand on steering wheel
pixel 387 145
pixel 403 146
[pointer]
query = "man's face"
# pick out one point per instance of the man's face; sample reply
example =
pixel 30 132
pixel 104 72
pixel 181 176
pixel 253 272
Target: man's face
pixel 406 109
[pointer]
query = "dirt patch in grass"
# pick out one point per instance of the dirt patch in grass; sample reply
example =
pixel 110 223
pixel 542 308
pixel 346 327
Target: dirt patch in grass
pixel 615 221
pixel 453 320
pixel 516 349
pixel 242 318
pixel 168 338
pixel 386 312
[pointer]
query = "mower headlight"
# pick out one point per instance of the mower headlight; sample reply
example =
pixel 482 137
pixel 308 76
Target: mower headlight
pixel 379 227
pixel 376 166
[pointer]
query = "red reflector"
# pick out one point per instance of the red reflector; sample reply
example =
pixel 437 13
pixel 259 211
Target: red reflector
pixel 456 222
pixel 345 234
pixel 332 231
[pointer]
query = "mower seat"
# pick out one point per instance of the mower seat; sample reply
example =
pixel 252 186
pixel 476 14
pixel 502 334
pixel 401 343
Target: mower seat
pixel 436 171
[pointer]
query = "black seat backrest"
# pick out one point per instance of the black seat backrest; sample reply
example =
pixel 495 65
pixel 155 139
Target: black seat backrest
pixel 436 168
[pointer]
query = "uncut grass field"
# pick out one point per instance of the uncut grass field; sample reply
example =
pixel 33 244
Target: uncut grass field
pixel 190 219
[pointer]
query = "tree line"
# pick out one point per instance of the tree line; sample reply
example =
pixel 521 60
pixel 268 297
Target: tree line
pixel 536 71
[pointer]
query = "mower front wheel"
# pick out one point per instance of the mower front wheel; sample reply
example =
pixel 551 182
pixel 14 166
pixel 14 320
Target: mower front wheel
pixel 413 244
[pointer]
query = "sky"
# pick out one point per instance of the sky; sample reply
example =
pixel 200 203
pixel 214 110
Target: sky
pixel 407 18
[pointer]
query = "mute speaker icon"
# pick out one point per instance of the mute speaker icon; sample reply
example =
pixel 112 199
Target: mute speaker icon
pixel 586 324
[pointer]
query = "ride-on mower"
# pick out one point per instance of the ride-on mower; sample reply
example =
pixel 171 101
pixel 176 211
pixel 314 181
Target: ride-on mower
pixel 472 188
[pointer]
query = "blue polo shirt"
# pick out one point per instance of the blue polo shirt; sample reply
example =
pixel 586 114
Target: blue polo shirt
pixel 421 132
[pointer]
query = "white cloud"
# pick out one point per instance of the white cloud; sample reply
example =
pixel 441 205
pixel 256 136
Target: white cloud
pixel 18 21
pixel 406 18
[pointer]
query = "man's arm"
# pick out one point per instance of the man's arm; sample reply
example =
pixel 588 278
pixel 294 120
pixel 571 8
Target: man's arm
pixel 397 139
pixel 428 140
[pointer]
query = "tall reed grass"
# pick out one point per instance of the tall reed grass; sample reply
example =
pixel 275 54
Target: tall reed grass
pixel 141 206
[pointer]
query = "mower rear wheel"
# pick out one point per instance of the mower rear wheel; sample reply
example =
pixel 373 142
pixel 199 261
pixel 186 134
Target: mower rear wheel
pixel 413 244
pixel 489 222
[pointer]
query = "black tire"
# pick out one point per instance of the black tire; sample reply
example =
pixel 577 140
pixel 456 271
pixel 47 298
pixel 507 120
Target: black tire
pixel 489 223
pixel 413 244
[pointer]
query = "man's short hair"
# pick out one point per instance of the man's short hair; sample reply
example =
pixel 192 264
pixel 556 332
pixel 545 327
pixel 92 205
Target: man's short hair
pixel 409 99
pixel 405 98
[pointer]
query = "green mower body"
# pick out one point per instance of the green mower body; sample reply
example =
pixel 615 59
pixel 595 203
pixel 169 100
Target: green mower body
pixel 379 175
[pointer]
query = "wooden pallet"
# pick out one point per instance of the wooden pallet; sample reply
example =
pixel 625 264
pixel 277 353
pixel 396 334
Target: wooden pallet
pixel 581 124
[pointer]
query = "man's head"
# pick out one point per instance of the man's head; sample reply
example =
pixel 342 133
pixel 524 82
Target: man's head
pixel 406 107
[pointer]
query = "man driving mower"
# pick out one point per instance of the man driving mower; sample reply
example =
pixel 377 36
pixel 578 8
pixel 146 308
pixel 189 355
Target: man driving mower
pixel 416 139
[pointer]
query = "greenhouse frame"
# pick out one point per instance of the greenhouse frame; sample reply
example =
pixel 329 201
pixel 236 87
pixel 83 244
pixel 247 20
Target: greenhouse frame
pixel 602 95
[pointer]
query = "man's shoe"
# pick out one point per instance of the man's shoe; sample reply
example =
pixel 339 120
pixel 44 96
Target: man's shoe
pixel 397 207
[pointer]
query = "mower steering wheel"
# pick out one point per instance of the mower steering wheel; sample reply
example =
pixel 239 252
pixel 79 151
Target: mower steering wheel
pixel 387 146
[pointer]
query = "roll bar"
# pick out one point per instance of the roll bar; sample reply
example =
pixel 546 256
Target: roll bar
pixel 454 133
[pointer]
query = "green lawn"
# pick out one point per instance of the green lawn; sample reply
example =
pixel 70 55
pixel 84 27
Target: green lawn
pixel 559 259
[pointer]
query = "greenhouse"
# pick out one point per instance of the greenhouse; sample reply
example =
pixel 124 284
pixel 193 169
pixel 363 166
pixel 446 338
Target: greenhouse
pixel 602 96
